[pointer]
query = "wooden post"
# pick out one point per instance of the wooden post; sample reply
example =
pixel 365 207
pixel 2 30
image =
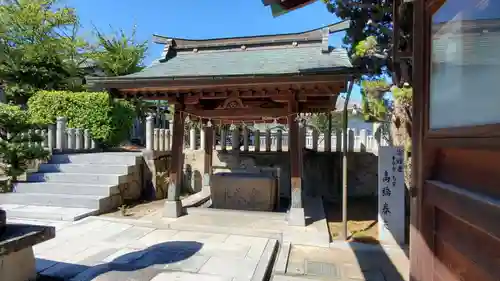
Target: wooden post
pixel 279 140
pixel 208 148
pixel 173 206
pixel 296 215
pixel 328 135
pixel 256 140
pixel 245 138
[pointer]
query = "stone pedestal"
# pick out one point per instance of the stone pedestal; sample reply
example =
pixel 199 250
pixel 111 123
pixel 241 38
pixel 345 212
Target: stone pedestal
pixel 17 261
pixel 296 217
pixel 18 266
pixel 172 209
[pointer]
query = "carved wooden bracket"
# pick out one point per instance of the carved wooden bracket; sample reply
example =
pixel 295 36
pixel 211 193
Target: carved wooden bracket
pixel 232 103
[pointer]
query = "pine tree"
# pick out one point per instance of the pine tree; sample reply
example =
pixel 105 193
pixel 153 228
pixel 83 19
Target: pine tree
pixel 19 145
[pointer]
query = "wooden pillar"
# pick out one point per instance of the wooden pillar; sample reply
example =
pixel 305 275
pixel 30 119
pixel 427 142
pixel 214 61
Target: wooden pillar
pixel 173 207
pixel 296 214
pixel 209 148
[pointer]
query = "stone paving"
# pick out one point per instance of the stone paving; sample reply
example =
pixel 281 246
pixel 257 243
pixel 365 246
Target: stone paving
pixel 343 264
pixel 100 249
pixel 209 246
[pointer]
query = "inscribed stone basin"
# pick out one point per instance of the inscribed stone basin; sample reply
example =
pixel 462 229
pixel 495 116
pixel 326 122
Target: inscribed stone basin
pixel 243 191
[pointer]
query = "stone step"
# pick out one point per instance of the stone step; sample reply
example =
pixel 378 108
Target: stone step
pixel 65 188
pixel 60 200
pixel 31 212
pixel 113 158
pixel 96 179
pixel 86 168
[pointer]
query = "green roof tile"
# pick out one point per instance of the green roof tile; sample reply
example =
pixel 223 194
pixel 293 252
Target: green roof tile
pixel 252 61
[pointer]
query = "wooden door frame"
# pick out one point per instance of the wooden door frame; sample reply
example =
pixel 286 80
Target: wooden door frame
pixel 426 141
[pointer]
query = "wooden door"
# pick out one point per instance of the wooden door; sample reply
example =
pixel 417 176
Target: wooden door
pixel 455 231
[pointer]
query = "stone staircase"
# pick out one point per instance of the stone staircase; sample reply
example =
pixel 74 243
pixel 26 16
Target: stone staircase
pixel 73 186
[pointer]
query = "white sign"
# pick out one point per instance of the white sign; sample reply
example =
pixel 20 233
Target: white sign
pixel 391 195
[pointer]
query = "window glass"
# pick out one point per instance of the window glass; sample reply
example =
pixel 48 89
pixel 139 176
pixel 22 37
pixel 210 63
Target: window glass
pixel 465 64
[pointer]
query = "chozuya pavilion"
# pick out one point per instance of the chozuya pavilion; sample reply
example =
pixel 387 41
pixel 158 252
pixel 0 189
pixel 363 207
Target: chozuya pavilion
pixel 237 79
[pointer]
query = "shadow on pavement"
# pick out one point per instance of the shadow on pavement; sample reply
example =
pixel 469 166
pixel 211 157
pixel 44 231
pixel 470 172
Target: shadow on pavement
pixel 159 254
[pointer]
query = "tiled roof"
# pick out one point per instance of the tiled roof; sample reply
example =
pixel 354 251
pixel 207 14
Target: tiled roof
pixel 251 61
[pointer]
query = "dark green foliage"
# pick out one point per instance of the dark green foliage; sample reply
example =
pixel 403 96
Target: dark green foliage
pixel 109 121
pixel 320 121
pixel 17 141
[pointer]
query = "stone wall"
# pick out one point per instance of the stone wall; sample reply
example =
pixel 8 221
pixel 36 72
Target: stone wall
pixel 154 174
pixel 322 170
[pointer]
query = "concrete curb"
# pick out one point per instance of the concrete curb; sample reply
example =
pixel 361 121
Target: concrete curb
pixel 282 260
pixel 263 271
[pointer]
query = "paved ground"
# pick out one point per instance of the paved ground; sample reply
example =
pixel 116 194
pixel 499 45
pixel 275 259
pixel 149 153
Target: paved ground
pixel 209 245
pixel 100 249
pixel 336 264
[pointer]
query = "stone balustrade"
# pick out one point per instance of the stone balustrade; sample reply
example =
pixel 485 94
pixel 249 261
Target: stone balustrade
pixel 245 139
pixel 58 137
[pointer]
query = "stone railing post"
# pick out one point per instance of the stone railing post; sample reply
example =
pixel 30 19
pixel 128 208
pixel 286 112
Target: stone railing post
pixel 351 137
pixel 202 137
pixel 223 139
pixel 71 138
pixel 235 139
pixel 168 143
pixel 51 136
pixel 268 140
pixel 192 139
pixel 79 139
pixel 327 143
pixel 315 139
pixel 338 140
pixel 279 140
pixel 256 140
pixel 171 131
pixel 87 142
pixel 45 142
pixel 156 139
pixel 149 132
pixel 61 133
pixel 363 140
pixel 161 144
pixel 302 137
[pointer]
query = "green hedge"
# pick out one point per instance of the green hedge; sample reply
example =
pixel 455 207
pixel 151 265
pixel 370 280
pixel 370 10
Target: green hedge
pixel 108 120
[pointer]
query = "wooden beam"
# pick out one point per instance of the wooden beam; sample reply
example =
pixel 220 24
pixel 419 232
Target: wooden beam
pixel 168 83
pixel 239 113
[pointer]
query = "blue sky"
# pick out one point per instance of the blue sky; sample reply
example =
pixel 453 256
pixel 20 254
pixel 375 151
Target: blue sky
pixel 198 19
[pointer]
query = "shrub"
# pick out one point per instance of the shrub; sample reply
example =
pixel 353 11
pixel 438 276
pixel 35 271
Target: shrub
pixel 16 139
pixel 108 120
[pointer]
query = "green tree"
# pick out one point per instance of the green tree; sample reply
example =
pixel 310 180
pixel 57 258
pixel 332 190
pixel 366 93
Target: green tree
pixel 118 54
pixel 16 141
pixel 320 121
pixel 40 48
pixel 376 47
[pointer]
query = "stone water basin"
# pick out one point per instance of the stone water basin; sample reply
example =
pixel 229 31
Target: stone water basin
pixel 246 191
